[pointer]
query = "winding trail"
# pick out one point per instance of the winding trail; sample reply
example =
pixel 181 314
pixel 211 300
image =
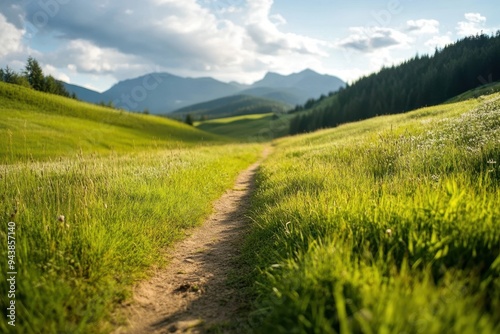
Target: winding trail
pixel 192 294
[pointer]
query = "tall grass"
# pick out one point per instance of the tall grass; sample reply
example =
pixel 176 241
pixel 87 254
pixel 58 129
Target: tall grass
pixel 120 214
pixel 390 225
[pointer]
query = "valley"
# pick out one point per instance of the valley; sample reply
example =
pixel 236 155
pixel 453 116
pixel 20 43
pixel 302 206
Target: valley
pixel 360 222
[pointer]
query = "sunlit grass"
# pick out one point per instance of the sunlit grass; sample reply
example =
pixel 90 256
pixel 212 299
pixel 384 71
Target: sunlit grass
pixel 385 226
pixel 39 126
pixel 97 195
pixel 225 120
pixel 249 128
pixel 120 213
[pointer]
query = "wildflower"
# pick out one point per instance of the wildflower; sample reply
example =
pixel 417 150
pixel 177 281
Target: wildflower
pixel 491 162
pixel 435 178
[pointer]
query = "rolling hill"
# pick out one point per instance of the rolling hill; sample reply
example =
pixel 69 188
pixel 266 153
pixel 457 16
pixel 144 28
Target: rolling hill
pixel 233 106
pixel 40 125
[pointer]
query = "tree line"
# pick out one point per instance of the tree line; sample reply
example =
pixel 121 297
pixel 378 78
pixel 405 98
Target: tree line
pixel 33 77
pixel 421 81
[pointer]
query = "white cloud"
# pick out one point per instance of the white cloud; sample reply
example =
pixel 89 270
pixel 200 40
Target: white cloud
pixel 278 19
pixel 232 40
pixel 51 70
pixel 85 57
pixel 474 23
pixel 475 17
pixel 421 27
pixel 369 39
pixel 439 41
pixel 270 40
pixel 10 38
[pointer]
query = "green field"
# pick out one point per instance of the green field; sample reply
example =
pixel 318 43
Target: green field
pixel 391 225
pixel 127 185
pixel 249 128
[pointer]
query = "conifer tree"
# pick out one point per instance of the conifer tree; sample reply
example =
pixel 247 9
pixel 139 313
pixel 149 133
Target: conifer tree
pixel 189 119
pixel 34 74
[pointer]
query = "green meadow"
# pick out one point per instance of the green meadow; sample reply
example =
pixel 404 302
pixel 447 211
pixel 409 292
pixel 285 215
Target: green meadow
pixel 40 126
pixel 97 196
pixel 249 128
pixel 390 225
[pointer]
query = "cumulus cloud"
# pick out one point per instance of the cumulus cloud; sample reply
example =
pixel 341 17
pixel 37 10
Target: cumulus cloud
pixel 269 39
pixel 10 38
pixel 422 27
pixel 439 41
pixel 85 57
pixel 51 70
pixel 190 36
pixel 474 23
pixel 369 39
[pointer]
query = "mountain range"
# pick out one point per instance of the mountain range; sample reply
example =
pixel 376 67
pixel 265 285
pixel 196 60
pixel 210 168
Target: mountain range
pixel 162 93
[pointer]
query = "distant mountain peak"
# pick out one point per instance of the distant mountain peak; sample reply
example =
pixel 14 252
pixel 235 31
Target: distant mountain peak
pixel 309 71
pixel 273 75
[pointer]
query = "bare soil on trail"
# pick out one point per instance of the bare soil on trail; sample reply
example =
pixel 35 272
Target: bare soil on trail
pixel 192 294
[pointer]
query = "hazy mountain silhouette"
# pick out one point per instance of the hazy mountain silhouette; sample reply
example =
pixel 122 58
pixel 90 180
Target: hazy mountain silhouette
pixel 162 93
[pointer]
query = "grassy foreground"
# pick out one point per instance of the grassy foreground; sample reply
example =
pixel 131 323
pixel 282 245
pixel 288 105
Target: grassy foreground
pixel 120 214
pixel 391 225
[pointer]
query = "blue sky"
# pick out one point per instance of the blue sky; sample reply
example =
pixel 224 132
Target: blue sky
pixel 95 43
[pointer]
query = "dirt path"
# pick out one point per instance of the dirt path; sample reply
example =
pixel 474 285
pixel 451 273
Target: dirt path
pixel 191 295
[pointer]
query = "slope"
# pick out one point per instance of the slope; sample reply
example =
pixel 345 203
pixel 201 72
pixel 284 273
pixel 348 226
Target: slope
pixel 388 225
pixel 233 106
pixel 37 125
pixel 249 128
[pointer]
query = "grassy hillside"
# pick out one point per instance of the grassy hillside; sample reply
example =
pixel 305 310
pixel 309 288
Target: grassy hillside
pixel 233 106
pixel 88 226
pixel 487 89
pixel 36 125
pixel 249 128
pixel 388 225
